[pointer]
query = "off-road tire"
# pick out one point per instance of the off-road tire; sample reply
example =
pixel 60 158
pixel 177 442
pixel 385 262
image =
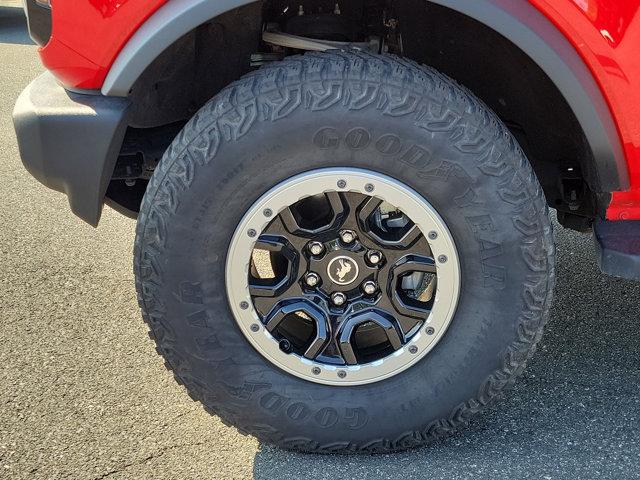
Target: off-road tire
pixel 264 129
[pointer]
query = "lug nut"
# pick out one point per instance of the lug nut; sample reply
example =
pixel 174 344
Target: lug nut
pixel 312 279
pixel 316 248
pixel 339 299
pixel 374 257
pixel 347 236
pixel 369 287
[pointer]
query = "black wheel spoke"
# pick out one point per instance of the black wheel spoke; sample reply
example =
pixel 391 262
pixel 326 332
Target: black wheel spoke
pixel 289 220
pixel 277 315
pixel 415 263
pixel 382 319
pixel 366 209
pixel 358 210
pixel 277 228
pixel 407 239
pixel 398 233
pixel 267 291
pixel 408 323
pixel 297 306
pixel 404 305
pixel 321 340
pixel 273 287
pixel 294 224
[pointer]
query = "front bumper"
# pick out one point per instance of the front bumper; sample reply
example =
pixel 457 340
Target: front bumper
pixel 70 142
pixel 618 248
pixel 38 21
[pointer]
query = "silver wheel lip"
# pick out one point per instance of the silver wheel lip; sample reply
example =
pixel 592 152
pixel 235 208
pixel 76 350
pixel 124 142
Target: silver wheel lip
pixel 318 181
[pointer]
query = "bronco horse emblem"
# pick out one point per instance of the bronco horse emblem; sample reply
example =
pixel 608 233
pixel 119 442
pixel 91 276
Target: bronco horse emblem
pixel 344 268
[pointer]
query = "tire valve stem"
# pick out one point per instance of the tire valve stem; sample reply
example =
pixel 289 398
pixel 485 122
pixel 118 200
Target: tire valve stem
pixel 285 346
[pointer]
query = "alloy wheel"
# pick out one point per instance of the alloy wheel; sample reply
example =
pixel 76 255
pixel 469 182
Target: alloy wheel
pixel 343 276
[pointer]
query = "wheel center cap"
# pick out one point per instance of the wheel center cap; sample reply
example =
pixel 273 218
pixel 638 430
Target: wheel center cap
pixel 343 270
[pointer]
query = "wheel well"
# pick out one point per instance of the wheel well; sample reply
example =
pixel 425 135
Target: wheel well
pixel 211 56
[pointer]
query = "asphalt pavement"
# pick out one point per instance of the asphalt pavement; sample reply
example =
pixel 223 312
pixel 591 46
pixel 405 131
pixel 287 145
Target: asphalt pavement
pixel 84 396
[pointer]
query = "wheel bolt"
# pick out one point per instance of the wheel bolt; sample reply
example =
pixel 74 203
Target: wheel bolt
pixel 339 299
pixel 316 248
pixel 369 287
pixel 312 279
pixel 374 257
pixel 348 236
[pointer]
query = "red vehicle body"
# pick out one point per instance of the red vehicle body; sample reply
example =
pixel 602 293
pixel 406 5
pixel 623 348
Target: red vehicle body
pixel 393 161
pixel 88 35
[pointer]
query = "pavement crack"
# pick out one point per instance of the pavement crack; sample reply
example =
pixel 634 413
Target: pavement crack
pixel 147 459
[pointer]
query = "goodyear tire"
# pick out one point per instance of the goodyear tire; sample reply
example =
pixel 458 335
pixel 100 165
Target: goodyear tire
pixel 378 114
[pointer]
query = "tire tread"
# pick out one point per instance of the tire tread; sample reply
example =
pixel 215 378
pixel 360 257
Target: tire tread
pixel 317 81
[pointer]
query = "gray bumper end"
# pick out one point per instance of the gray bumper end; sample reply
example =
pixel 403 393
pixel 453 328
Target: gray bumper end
pixel 618 248
pixel 70 142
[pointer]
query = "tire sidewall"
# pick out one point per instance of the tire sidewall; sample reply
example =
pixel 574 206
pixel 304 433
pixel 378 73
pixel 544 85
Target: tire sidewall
pixel 471 173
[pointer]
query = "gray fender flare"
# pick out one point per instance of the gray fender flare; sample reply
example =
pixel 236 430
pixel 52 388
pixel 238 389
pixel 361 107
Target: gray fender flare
pixel 517 20
pixel 170 22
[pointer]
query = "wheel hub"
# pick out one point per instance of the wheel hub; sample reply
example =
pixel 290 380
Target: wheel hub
pixel 346 283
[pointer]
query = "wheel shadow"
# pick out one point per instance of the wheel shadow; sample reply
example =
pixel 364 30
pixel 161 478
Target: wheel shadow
pixel 13 27
pixel 573 415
